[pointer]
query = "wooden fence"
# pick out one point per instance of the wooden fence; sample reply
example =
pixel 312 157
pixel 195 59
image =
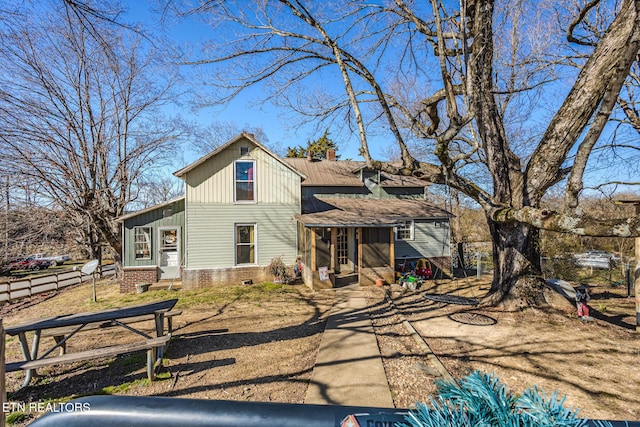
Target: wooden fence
pixel 14 290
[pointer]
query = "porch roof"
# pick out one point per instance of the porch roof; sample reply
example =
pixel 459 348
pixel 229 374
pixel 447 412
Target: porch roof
pixel 361 212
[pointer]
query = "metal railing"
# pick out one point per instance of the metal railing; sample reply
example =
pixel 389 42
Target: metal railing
pixel 130 411
pixel 116 411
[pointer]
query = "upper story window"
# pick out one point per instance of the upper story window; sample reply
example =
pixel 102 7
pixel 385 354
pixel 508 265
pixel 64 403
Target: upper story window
pixel 142 242
pixel 244 150
pixel 245 181
pixel 405 231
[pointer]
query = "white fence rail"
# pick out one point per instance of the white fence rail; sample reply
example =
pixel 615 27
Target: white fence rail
pixel 14 290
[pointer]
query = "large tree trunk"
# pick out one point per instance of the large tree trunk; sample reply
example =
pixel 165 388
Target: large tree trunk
pixel 517 279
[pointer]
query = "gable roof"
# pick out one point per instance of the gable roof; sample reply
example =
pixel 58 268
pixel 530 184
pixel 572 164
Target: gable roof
pixel 244 135
pixel 344 173
pixel 365 212
pixel 149 209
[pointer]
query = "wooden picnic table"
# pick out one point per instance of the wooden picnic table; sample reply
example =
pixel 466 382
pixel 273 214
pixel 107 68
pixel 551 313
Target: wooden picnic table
pixel 66 326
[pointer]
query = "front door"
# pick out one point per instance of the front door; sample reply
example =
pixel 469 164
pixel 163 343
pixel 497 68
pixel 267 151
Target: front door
pixel 169 252
pixel 342 251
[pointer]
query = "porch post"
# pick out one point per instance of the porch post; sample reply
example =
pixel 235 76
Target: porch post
pixel 333 249
pixel 392 251
pixel 360 237
pixel 314 265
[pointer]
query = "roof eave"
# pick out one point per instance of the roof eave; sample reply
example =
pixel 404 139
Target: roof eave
pixel 182 172
pixel 149 209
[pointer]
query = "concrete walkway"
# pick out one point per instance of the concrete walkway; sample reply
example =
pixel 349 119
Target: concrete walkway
pixel 349 368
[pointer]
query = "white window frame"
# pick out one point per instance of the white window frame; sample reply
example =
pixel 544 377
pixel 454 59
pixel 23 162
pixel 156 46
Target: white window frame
pixel 235 182
pixel 236 243
pixel 408 226
pixel 147 241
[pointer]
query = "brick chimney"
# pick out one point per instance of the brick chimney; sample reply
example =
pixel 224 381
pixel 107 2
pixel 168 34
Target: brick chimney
pixel 309 155
pixel 331 154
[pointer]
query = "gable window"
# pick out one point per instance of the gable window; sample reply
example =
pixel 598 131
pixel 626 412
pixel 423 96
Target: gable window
pixel 245 244
pixel 244 150
pixel 142 242
pixel 405 231
pixel 245 181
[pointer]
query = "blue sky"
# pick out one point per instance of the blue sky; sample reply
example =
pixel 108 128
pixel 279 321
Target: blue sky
pixel 246 111
pixel 243 110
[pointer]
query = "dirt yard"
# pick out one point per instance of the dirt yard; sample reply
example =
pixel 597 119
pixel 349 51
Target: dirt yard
pixel 595 364
pixel 259 343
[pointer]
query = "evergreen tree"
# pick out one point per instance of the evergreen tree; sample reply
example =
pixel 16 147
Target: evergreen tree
pixel 319 147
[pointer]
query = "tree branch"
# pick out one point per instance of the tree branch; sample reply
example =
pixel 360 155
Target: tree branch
pixel 613 56
pixel 566 223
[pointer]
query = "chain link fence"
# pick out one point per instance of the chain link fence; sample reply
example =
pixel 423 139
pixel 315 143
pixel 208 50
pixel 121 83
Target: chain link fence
pixel 468 258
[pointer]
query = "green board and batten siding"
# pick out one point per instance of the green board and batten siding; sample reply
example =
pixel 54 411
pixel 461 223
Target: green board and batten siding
pixel 213 181
pixel 212 213
pixel 429 240
pixel 153 218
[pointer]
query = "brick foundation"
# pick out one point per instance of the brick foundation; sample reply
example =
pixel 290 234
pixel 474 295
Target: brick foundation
pixel 134 275
pixel 204 278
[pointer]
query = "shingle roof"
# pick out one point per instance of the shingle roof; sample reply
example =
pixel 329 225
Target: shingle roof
pixel 364 212
pixel 340 173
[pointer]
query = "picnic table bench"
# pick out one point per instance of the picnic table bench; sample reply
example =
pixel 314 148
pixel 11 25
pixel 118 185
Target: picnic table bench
pixel 59 334
pixel 62 328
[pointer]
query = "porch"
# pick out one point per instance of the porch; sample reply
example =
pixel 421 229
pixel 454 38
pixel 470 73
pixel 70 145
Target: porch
pixel 345 241
pixel 338 256
pixel 348 240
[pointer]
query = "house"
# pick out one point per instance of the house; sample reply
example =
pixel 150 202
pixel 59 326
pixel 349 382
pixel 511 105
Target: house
pixel 153 245
pixel 244 206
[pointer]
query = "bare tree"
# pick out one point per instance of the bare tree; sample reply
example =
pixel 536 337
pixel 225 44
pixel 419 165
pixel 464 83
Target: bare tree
pixel 155 188
pixel 585 29
pixel 207 138
pixel 26 225
pixel 446 77
pixel 79 114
